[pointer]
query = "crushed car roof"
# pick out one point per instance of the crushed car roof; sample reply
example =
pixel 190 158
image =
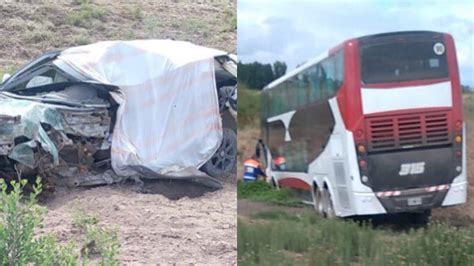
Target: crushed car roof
pixel 114 59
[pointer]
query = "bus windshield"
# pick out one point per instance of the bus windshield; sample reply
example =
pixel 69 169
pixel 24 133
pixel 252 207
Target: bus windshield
pixel 402 61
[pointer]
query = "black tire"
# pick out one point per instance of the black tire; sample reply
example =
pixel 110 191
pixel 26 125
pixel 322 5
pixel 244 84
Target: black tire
pixel 228 121
pixel 273 183
pixel 224 159
pixel 227 94
pixel 328 207
pixel 420 218
pixel 318 201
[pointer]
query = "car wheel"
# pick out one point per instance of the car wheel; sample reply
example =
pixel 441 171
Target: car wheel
pixel 227 95
pixel 224 159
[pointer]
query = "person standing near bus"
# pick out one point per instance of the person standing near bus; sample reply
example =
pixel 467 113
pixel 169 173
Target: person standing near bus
pixel 252 169
pixel 279 163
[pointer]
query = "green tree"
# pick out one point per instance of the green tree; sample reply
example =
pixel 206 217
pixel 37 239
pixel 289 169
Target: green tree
pixel 257 75
pixel 279 69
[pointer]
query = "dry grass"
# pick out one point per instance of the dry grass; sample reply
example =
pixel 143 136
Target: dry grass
pixel 34 28
pixel 280 238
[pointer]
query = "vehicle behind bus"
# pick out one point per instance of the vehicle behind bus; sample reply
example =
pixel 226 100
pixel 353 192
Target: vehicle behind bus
pixel 373 126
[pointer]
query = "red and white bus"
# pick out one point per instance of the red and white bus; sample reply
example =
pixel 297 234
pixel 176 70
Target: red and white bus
pixel 372 126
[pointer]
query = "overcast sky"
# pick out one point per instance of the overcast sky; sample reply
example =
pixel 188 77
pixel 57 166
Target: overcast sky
pixel 295 31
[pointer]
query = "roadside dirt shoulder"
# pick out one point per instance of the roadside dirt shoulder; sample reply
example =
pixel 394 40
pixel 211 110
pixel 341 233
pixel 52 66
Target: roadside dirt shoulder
pixel 199 227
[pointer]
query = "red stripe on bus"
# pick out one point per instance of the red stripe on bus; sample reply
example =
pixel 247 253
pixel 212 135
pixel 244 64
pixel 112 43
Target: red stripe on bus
pixel 293 182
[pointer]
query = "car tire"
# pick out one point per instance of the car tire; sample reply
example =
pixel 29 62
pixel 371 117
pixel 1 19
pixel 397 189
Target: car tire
pixel 223 161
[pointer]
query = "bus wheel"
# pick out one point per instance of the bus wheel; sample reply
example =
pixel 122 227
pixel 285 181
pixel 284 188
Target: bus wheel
pixel 420 218
pixel 318 201
pixel 328 207
pixel 274 185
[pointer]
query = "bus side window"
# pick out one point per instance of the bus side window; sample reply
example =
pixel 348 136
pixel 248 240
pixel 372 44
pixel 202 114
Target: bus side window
pixel 331 76
pixel 279 96
pixel 339 69
pixel 270 104
pixel 265 105
pixel 307 88
pixel 322 81
pixel 312 74
pixel 302 88
pixel 328 77
pixel 275 102
pixel 288 98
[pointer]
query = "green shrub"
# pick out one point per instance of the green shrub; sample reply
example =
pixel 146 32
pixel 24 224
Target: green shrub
pixel 86 15
pixel 247 190
pixel 152 25
pixel 97 240
pixel 80 2
pixel 82 40
pixel 19 217
pixel 137 13
pixel 10 69
pixel 231 17
pixel 262 191
pixel 40 35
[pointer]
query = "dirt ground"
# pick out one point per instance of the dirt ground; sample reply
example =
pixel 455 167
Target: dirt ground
pixel 175 222
pixel 178 222
pixel 462 215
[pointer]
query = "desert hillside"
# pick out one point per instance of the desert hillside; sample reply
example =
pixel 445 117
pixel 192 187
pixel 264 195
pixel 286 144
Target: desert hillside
pixel 29 30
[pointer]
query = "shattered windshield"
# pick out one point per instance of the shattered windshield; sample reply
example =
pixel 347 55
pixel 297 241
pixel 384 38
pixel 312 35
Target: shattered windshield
pixel 30 66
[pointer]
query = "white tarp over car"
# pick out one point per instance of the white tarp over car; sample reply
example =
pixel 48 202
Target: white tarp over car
pixel 168 119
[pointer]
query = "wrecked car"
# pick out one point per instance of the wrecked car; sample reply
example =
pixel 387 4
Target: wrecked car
pixel 104 112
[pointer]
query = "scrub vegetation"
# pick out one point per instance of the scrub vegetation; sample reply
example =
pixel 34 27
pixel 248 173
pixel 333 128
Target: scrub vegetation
pixel 280 238
pixel 21 217
pixel 468 101
pixel 35 28
pixel 87 14
pixel 248 107
pixel 264 192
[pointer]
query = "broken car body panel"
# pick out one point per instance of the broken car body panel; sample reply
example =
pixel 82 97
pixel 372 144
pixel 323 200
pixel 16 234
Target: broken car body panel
pixel 138 107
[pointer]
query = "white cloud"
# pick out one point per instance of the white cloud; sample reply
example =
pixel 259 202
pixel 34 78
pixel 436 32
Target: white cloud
pixel 294 31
